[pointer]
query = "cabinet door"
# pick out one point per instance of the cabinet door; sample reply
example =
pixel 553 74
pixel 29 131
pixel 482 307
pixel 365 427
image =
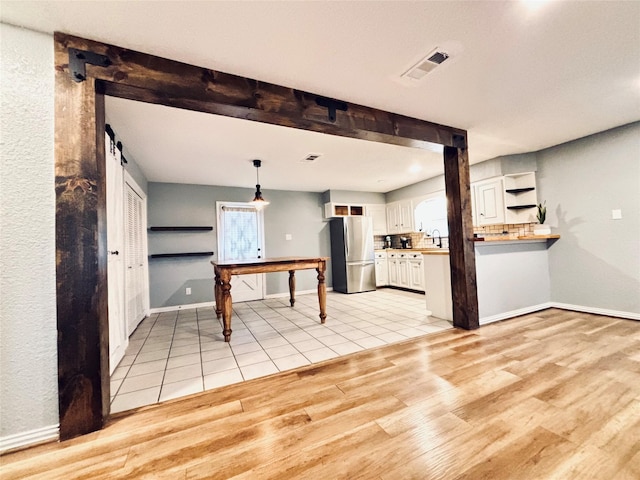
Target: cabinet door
pixel 382 272
pixel 393 218
pixel 406 216
pixel 489 197
pixel 416 275
pixel 393 271
pixel 403 273
pixel 378 214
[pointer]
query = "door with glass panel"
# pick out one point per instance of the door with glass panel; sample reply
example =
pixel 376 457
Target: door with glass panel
pixel 241 238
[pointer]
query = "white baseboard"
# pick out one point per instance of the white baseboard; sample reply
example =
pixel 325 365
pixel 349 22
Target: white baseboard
pixel 301 292
pixel 597 311
pixel 173 308
pixel 30 438
pixel 515 313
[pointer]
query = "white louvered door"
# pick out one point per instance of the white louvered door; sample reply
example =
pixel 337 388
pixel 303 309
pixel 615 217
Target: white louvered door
pixel 135 260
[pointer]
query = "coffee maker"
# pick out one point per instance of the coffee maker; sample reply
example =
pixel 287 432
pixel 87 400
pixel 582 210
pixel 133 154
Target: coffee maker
pixel 405 242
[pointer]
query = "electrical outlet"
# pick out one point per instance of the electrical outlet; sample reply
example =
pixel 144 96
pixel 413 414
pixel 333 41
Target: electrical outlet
pixel 616 214
pixel 288 236
pixel 188 291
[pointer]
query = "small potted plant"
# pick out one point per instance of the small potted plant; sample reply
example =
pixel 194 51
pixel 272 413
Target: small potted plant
pixel 541 229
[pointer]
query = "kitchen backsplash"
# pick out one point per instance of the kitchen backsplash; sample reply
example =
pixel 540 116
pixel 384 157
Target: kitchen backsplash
pixel 418 240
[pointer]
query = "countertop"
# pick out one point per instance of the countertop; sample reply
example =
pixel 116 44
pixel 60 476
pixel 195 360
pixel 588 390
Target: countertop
pixel 424 251
pixel 508 238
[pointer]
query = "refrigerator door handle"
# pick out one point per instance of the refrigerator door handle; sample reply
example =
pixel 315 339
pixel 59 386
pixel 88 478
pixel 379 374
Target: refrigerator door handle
pixel 346 236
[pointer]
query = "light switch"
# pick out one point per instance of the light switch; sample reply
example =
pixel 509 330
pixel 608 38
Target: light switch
pixel 288 236
pixel 616 214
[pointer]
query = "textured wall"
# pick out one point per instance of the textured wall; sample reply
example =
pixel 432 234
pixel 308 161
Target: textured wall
pixel 28 364
pixel 596 263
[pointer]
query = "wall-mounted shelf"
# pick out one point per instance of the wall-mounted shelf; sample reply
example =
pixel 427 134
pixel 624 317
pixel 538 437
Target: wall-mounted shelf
pixel 180 229
pixel 520 207
pixel 520 197
pixel 520 190
pixel 190 254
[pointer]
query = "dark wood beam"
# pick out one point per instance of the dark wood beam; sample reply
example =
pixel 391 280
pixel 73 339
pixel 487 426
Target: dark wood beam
pixel 461 247
pixel 142 77
pixel 82 316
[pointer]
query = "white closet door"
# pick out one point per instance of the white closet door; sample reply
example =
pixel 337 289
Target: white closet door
pixel 135 261
pixel 118 338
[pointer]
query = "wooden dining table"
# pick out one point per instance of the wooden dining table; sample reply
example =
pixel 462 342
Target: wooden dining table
pixel 224 271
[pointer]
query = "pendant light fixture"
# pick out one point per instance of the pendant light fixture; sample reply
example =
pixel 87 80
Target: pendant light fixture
pixel 258 201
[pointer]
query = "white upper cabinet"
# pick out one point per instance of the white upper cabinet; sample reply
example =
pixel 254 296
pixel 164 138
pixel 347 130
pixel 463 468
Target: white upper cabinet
pixel 489 202
pixel 334 209
pixel 400 217
pixel 378 214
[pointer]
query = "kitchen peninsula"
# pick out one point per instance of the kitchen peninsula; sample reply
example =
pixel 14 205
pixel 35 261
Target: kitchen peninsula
pixel 512 276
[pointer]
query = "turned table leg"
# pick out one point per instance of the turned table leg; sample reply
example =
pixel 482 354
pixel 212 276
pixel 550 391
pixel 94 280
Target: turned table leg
pixel 218 294
pixel 225 287
pixel 322 290
pixel 292 287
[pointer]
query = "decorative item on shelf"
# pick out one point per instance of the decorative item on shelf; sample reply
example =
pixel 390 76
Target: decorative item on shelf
pixel 541 229
pixel 258 201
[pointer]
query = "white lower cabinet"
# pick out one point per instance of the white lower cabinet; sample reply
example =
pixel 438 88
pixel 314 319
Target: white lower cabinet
pixel 392 264
pixel 403 270
pixel 416 272
pixel 382 269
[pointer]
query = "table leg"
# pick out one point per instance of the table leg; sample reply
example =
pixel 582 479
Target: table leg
pixel 225 287
pixel 218 294
pixel 322 290
pixel 292 287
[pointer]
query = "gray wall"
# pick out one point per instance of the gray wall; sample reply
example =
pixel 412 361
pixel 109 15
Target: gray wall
pixel 295 213
pixel 425 187
pixel 596 263
pixel 519 163
pixel 28 349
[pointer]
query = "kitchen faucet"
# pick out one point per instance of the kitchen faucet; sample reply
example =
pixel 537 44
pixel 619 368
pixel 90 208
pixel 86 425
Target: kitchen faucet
pixel 433 235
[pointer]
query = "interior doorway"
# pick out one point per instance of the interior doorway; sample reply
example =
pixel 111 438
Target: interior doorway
pixel 240 238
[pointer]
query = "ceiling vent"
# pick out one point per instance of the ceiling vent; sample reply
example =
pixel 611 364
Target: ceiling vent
pixel 426 65
pixel 311 157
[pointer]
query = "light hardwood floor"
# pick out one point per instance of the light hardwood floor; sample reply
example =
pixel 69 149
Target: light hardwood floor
pixel 551 395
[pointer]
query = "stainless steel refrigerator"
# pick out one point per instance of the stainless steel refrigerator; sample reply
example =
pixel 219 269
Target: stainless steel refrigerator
pixel 352 258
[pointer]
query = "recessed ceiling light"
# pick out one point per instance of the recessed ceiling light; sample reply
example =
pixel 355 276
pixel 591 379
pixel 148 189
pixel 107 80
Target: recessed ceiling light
pixel 415 168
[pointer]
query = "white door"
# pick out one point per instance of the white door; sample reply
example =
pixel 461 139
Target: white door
pixel 241 237
pixel 135 229
pixel 118 338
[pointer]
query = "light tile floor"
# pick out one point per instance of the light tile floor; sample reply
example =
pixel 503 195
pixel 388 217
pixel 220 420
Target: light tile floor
pixel 178 353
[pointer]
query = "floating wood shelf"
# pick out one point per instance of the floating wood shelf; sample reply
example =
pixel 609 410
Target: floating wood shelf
pixel 520 190
pixel 520 207
pixel 180 229
pixel 190 254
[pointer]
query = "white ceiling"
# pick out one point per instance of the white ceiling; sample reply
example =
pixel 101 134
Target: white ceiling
pixel 523 75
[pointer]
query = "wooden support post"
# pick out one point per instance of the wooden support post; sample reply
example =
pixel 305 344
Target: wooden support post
pixel 461 247
pixel 81 259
